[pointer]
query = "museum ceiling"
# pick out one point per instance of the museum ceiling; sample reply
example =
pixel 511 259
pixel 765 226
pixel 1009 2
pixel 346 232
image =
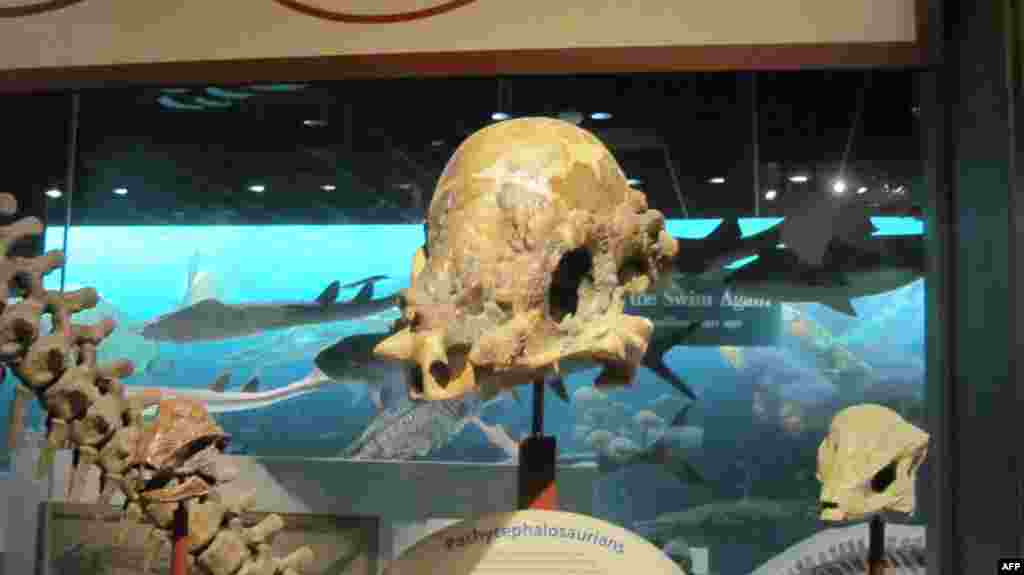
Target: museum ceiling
pixel 370 151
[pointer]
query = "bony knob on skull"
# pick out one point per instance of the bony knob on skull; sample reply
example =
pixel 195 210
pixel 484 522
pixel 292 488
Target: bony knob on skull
pixel 535 239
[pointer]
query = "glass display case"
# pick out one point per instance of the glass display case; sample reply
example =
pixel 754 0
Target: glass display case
pixel 250 241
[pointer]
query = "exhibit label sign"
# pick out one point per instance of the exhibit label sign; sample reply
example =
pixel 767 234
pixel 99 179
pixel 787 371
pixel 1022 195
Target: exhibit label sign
pixel 533 541
pixel 725 318
pixel 89 33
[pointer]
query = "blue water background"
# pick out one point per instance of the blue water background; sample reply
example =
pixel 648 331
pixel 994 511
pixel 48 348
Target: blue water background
pixel 141 271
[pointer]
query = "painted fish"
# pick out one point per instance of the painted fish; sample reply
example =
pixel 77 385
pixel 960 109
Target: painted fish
pixel 847 272
pixel 213 320
pixel 808 232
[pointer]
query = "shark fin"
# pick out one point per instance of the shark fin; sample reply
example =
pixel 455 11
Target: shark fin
pixel 557 385
pixel 654 359
pixel 221 383
pixel 839 304
pixel 727 232
pixel 253 386
pixel 365 294
pixel 330 294
pixel 369 280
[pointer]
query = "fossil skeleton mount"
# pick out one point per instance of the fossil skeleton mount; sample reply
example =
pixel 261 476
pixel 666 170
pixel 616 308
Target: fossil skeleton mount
pixel 534 240
pixel 172 465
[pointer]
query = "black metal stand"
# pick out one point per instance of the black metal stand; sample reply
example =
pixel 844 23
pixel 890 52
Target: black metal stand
pixel 537 455
pixel 876 546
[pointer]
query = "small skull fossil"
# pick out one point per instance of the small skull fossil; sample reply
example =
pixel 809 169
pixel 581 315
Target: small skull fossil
pixel 183 428
pixel 534 240
pixel 868 463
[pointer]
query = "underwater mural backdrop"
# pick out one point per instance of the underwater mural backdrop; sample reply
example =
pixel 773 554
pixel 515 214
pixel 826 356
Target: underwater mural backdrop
pixel 713 446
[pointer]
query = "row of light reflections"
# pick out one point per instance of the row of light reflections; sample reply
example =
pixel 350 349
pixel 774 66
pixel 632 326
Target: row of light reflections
pixel 839 187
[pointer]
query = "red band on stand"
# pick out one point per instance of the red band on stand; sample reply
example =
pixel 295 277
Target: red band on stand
pixel 548 499
pixel 537 489
pixel 179 565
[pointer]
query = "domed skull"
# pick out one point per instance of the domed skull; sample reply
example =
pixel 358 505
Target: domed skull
pixel 868 463
pixel 534 240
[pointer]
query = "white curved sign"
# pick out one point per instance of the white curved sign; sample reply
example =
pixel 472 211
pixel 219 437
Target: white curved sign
pixel 537 542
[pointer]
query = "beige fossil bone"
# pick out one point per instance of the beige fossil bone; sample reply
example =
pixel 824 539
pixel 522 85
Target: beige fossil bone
pixel 868 463
pixel 204 520
pixel 264 531
pixel 226 554
pixel 155 542
pixel 178 460
pixel 296 560
pixel 161 512
pixel 534 241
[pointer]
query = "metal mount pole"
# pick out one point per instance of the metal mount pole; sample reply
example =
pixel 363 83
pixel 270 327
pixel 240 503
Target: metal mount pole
pixel 537 456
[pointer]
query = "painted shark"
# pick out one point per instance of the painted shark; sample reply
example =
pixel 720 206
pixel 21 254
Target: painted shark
pixel 218 400
pixel 807 232
pixel 212 320
pixel 847 272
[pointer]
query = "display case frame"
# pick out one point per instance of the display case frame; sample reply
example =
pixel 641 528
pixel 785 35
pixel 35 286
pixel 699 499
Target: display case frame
pixel 566 55
pixel 970 95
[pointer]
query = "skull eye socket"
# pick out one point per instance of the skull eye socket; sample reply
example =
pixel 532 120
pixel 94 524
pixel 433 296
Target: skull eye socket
pixel 884 478
pixel 440 372
pixel 563 295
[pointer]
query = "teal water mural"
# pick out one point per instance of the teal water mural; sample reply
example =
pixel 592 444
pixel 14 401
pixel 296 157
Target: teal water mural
pixel 752 433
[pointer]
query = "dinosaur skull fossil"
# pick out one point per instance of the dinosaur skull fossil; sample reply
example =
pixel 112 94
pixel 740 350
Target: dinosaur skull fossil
pixel 534 240
pixel 868 463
